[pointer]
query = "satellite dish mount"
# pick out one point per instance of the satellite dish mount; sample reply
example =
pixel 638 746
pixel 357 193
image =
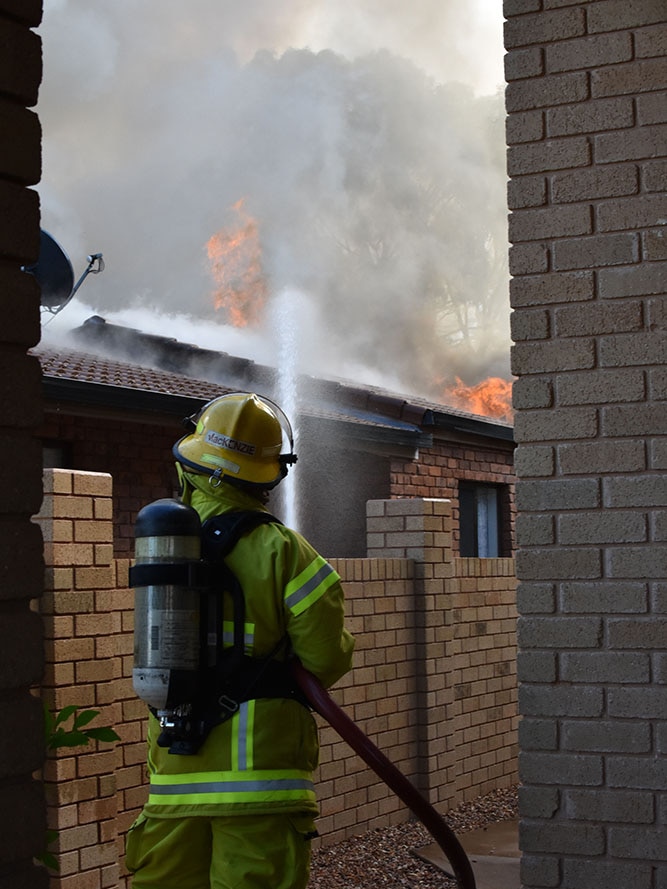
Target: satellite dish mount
pixel 55 274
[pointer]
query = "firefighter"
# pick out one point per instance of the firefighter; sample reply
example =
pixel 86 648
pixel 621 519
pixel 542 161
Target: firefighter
pixel 240 812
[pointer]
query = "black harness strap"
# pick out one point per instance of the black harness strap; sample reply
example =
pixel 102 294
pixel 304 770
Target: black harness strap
pixel 221 533
pixel 239 677
pixel 219 536
pixel 229 675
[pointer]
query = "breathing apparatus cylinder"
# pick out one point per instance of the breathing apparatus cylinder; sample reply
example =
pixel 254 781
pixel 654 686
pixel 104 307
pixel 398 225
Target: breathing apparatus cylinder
pixel 167 604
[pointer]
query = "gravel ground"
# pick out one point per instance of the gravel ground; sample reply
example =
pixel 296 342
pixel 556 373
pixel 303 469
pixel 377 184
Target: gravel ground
pixel 386 859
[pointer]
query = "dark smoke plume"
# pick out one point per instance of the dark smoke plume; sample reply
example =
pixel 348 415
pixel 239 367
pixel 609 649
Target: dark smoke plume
pixel 371 164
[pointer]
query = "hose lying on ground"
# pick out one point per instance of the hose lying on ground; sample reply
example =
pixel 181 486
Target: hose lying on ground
pixel 323 704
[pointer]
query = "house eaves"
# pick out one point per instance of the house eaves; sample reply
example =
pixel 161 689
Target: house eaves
pixel 410 411
pixel 368 428
pixel 93 383
pixel 470 424
pixel 118 398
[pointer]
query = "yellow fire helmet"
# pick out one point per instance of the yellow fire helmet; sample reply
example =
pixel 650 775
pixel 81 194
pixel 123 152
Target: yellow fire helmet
pixel 238 437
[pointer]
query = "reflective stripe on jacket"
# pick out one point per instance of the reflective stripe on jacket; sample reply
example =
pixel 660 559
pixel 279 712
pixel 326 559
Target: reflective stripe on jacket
pixel 231 787
pixel 261 760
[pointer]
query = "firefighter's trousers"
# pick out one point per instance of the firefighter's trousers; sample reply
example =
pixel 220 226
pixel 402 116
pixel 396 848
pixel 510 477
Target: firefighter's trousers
pixel 236 852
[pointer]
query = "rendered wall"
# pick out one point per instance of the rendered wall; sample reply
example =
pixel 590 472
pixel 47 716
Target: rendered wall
pixel 587 158
pixel 434 682
pixel 22 808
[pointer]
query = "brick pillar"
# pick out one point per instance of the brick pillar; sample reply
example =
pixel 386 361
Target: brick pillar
pixel 82 668
pixel 420 530
pixel 22 807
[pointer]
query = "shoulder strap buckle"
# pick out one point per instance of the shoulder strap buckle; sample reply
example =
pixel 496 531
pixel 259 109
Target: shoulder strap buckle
pixel 229 705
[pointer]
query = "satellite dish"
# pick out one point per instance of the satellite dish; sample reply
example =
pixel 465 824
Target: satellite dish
pixel 55 274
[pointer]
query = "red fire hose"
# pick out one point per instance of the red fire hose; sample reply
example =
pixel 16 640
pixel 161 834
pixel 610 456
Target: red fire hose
pixel 395 780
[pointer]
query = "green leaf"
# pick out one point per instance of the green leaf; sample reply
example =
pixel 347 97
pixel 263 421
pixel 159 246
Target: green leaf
pixel 102 734
pixel 48 859
pixel 57 736
pixel 65 714
pixel 76 736
pixel 68 739
pixel 85 717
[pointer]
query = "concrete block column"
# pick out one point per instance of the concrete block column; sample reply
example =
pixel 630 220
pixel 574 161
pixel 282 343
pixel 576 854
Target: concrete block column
pixel 420 530
pixel 587 156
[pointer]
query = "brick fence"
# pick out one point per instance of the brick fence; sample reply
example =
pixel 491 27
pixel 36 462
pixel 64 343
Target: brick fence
pixel 434 682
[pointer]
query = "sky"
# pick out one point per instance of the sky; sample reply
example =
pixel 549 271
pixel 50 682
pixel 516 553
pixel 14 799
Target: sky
pixel 330 172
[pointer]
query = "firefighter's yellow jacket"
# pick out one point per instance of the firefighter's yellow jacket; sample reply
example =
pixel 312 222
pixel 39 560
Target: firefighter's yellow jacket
pixel 261 760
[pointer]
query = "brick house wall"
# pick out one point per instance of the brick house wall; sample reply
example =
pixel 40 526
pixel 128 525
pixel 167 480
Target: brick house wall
pixel 136 454
pixel 433 686
pixel 441 468
pixel 339 481
pixel 22 807
pixel 587 156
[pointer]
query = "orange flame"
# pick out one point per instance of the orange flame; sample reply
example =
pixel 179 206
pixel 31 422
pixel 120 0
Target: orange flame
pixel 236 267
pixel 490 398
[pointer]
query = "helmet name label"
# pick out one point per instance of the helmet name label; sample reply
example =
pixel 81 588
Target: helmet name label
pixel 230 444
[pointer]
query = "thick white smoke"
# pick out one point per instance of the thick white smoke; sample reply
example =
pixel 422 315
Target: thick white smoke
pixel 365 137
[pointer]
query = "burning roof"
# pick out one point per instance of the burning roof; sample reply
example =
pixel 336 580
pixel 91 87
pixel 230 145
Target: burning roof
pixel 124 367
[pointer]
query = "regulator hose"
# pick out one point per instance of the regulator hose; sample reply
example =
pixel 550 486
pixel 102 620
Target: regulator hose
pixel 323 704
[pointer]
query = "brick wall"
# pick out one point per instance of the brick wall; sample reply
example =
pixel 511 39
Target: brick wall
pixel 433 686
pixel 439 470
pixel 22 809
pixel 587 156
pixel 482 597
pixel 465 626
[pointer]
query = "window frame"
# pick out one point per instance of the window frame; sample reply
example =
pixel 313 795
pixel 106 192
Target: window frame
pixel 481 517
